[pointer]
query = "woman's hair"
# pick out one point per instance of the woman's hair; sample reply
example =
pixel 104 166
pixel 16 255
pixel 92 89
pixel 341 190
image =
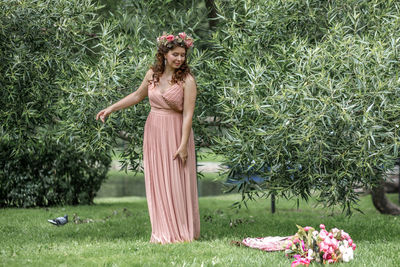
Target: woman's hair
pixel 159 64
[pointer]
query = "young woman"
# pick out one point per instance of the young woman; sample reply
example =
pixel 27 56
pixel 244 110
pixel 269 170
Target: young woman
pixel 168 145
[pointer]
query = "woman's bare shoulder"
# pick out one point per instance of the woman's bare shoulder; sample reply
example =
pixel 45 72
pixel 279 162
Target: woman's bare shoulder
pixel 189 80
pixel 149 73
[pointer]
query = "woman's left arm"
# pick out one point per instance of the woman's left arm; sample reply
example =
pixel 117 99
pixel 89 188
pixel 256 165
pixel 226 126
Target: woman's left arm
pixel 189 101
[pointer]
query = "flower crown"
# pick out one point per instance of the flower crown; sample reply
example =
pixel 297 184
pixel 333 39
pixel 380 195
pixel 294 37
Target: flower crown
pixel 181 38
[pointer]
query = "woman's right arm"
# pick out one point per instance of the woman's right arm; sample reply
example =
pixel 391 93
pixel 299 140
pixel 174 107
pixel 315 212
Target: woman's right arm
pixel 129 100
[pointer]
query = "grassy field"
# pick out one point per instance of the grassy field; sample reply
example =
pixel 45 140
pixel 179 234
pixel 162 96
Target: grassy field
pixel 117 174
pixel 109 236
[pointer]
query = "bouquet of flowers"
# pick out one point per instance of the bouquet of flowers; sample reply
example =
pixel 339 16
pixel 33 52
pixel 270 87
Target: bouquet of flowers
pixel 309 245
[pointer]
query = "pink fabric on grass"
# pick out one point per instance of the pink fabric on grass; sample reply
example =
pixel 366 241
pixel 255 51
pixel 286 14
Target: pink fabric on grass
pixel 269 243
pixel 171 187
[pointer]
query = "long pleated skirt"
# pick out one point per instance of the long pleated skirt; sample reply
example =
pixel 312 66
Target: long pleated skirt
pixel 171 186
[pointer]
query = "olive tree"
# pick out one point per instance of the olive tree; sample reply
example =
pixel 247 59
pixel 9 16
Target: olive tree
pixel 44 47
pixel 308 96
pixel 63 61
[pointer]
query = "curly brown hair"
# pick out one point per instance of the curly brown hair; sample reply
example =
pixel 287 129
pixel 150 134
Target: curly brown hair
pixel 159 64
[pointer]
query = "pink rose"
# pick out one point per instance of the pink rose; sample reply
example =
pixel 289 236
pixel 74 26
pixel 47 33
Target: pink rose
pixel 170 38
pixel 345 235
pixel 335 243
pixel 182 35
pixel 350 242
pixel 322 226
pixel 322 235
pixel 328 241
pixel 327 256
pixel 323 247
pixel 354 246
pixel 307 228
pixel 330 235
pixel 189 43
pixel 300 261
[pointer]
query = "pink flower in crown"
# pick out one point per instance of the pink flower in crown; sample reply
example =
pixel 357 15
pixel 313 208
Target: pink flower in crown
pixel 161 39
pixel 182 35
pixel 170 38
pixel 307 228
pixel 189 42
pixel 322 226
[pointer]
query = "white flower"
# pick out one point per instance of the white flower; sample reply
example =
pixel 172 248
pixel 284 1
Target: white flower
pixel 310 254
pixel 348 255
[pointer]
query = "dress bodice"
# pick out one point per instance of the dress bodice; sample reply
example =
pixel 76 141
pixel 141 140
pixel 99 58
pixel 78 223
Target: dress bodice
pixel 172 98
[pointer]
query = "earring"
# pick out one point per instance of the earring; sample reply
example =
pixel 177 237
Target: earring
pixel 165 62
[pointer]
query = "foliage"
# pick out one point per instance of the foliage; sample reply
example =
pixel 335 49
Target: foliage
pixel 44 46
pixel 62 62
pixel 50 173
pixel 308 95
pixel 305 93
pixel 137 24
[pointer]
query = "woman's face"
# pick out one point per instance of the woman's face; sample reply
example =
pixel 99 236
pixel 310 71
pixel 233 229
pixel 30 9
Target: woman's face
pixel 175 57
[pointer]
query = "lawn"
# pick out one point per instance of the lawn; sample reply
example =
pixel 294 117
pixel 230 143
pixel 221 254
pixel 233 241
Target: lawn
pixel 114 237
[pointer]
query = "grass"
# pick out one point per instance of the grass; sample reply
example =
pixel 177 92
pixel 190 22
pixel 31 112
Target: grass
pixel 116 174
pixel 116 238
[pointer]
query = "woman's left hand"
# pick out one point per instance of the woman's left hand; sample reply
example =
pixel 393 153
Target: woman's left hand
pixel 182 152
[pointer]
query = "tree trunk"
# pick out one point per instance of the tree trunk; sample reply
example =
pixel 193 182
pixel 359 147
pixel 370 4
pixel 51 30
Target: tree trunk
pixel 382 203
pixel 212 13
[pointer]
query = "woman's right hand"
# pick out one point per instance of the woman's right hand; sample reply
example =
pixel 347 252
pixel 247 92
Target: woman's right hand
pixel 103 114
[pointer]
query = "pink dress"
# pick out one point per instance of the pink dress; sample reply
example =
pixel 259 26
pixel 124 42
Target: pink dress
pixel 171 187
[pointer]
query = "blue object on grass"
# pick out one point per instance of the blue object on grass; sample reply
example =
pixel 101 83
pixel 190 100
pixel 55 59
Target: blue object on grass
pixel 59 221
